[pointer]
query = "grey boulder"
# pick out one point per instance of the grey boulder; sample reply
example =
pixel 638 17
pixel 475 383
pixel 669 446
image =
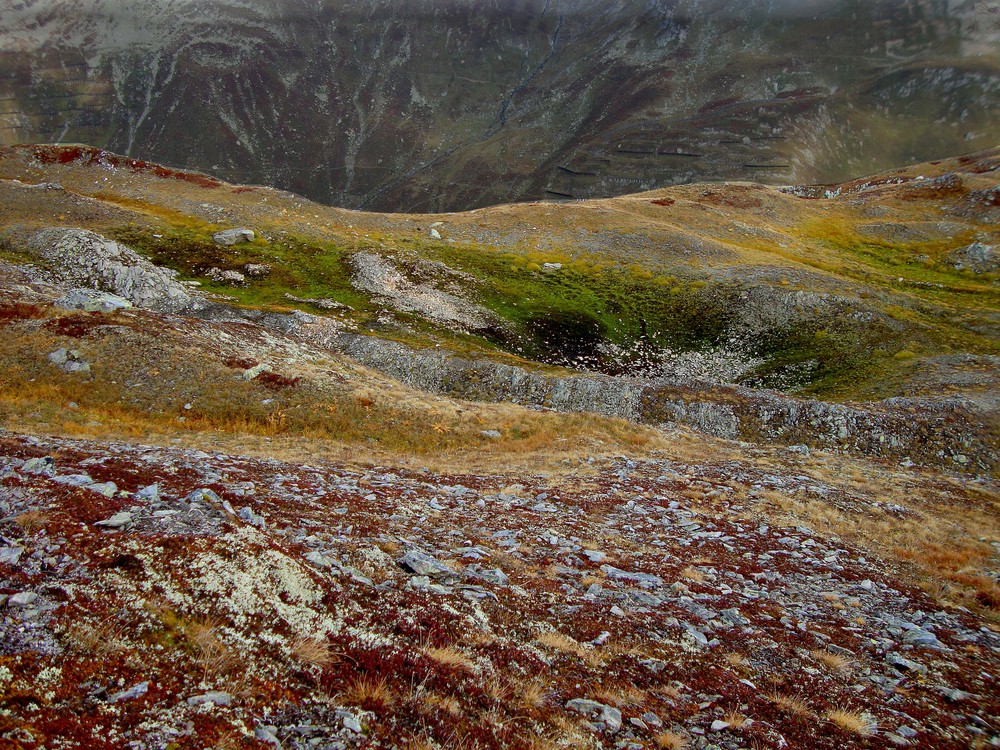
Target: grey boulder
pixel 229 237
pixel 421 564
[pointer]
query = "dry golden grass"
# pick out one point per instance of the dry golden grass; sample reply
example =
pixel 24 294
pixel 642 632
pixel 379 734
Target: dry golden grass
pixel 498 689
pixel 735 660
pixel 671 741
pixel 791 704
pixel 558 642
pixel 32 520
pixel 692 574
pixel 452 658
pixel 431 703
pixel 566 645
pixel 313 651
pixel 212 655
pixel 833 662
pixel 735 720
pixel 368 693
pixel 940 541
pixel 534 694
pixel 629 696
pixel 99 639
pixel 851 721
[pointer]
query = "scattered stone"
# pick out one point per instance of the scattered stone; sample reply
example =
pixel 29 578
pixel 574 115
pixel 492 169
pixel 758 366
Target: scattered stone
pixel 435 234
pixel 609 716
pixel 718 725
pixel 10 555
pixel 248 515
pixel 491 434
pixel 203 495
pixel 22 599
pixel 133 692
pixel 351 723
pixel 267 734
pixel 904 665
pixel 257 270
pixel 229 237
pixel 215 697
pixel 921 637
pixel 254 371
pixel 86 259
pixel 551 266
pixel 225 276
pixel 149 494
pixel 977 258
pixel 421 564
pixel 108 489
pixel 69 360
pixel 595 556
pixel 45 466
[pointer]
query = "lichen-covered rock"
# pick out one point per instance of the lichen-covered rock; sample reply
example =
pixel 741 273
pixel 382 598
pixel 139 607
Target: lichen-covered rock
pixel 378 276
pixel 87 259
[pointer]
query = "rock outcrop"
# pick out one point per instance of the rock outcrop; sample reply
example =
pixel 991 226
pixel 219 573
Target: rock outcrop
pixel 949 432
pixel 79 257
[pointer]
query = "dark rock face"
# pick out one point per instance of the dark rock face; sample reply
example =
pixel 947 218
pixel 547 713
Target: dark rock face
pixel 421 105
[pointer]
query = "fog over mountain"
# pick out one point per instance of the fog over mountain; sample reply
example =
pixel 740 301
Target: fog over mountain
pixel 420 105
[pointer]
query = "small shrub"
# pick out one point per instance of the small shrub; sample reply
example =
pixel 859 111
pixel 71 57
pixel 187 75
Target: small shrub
pixel 275 382
pixel 240 363
pixel 75 326
pixel 10 313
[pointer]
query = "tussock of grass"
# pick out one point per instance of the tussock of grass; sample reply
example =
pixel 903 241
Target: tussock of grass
pixel 791 704
pixel 313 651
pixel 851 721
pixel 833 662
pixel 671 741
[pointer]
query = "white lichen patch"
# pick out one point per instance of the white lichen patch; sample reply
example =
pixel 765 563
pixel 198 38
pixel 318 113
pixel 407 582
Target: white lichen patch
pixel 49 675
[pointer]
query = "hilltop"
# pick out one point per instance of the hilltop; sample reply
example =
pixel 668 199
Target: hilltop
pixel 713 466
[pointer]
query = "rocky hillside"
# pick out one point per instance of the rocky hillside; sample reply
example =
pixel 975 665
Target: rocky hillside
pixel 160 597
pixel 274 474
pixel 427 106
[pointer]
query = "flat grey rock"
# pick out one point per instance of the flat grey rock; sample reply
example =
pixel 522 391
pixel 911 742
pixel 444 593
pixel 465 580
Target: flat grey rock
pixel 22 599
pixel 215 697
pixel 92 300
pixel 133 692
pixel 117 521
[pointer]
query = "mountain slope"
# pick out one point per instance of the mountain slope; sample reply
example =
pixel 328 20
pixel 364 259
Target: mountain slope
pixel 422 106
pixel 485 479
